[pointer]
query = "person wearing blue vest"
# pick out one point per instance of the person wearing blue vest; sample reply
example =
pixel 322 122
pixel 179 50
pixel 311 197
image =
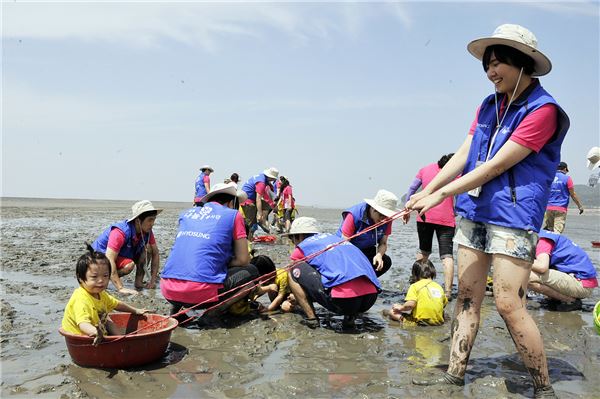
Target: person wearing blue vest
pixel 507 164
pixel 562 271
pixel 128 244
pixel 259 203
pixel 340 278
pixel 365 214
pixel 561 189
pixel 202 184
pixel 209 258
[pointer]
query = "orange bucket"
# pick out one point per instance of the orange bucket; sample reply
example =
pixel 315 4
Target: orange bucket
pixel 124 351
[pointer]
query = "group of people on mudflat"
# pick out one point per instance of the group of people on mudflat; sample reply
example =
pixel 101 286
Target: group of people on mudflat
pixel 499 181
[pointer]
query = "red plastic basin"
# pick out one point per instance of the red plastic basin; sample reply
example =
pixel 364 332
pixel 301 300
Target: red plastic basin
pixel 124 351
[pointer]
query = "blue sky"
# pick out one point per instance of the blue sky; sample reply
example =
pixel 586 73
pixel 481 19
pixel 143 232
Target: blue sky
pixel 126 101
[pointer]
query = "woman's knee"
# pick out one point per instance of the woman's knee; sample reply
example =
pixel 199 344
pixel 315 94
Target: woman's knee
pixel 506 305
pixel 125 270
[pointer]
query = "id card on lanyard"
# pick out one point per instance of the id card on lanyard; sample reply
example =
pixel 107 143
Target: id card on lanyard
pixel 477 190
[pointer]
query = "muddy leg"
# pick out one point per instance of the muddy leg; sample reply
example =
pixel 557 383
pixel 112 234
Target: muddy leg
pixel 448 264
pixel 511 276
pixel 473 267
pixel 301 298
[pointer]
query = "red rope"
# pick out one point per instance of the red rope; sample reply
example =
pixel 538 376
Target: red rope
pixel 270 275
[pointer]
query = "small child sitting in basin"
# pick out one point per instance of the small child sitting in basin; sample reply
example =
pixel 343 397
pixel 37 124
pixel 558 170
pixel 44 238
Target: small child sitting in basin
pixel 87 311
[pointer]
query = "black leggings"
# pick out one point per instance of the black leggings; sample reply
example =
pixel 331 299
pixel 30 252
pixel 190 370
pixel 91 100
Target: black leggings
pixel 445 236
pixel 370 254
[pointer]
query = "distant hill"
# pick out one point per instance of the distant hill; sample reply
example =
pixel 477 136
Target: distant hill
pixel 589 196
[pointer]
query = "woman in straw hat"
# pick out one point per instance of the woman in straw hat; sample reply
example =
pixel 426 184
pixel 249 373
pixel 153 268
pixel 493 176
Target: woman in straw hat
pixel 202 184
pixel 507 163
pixel 339 279
pixel 128 244
pixel 210 254
pixel 373 243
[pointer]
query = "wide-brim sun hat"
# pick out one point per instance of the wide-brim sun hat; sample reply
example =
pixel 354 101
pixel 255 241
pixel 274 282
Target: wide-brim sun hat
pixel 140 207
pixel 385 202
pixel 593 158
pixel 207 167
pixel 517 37
pixel 221 188
pixel 304 225
pixel 272 173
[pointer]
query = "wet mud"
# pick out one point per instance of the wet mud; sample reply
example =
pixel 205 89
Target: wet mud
pixel 264 357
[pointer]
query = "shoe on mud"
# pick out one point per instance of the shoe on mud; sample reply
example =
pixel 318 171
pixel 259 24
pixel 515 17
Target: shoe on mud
pixel 546 392
pixel 444 379
pixel 348 322
pixel 569 306
pixel 311 323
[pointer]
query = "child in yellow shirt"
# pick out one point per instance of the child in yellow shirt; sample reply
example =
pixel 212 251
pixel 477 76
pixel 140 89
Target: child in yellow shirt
pixel 425 300
pixel 90 303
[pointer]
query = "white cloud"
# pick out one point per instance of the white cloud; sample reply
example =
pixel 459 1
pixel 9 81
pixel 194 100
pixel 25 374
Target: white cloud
pixel 195 24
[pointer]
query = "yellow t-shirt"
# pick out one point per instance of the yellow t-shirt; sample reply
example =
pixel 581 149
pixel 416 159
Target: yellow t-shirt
pixel 84 308
pixel 281 280
pixel 431 301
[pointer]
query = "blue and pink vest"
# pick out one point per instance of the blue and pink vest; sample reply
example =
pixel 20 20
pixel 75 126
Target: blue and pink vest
pixel 337 265
pixel 129 249
pixel 518 197
pixel 203 246
pixel 200 188
pixel 559 193
pixel 568 257
pixel 361 222
pixel 250 186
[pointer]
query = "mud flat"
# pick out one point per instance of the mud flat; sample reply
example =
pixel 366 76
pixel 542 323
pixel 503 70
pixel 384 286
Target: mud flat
pixel 256 357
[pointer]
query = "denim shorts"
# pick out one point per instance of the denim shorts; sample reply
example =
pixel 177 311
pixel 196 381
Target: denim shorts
pixel 494 239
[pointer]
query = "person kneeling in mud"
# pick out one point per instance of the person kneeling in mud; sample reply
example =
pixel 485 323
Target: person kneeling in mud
pixel 425 300
pixel 87 312
pixel 562 271
pixel 278 291
pixel 341 279
pixel 128 244
pixel 209 263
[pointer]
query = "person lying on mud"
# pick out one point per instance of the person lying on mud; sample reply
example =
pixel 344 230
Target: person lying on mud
pixel 373 243
pixel 278 291
pixel 87 312
pixel 128 244
pixel 562 271
pixel 259 202
pixel 507 161
pixel 209 258
pixel 245 305
pixel 341 279
pixel 425 300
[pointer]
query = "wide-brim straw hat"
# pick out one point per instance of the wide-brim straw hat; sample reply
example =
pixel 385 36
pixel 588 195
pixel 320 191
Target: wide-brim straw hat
pixel 221 188
pixel 517 37
pixel 140 207
pixel 593 158
pixel 204 167
pixel 272 173
pixel 384 202
pixel 304 225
